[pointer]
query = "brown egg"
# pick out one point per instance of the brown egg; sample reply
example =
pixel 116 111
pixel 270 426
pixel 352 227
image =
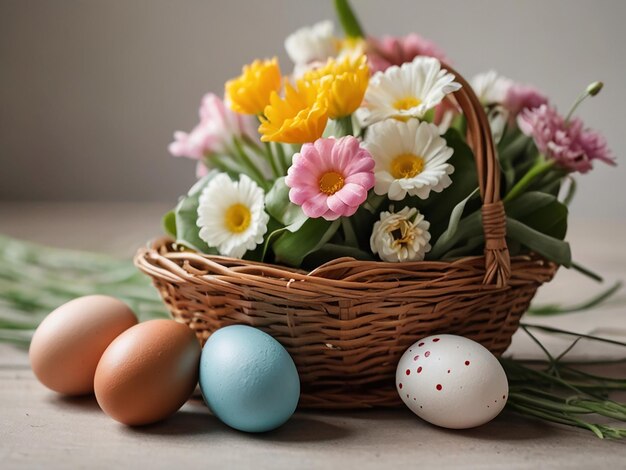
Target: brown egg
pixel 148 372
pixel 69 342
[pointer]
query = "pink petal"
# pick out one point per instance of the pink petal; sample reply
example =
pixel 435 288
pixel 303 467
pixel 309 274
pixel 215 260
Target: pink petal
pixel 351 194
pixel 324 150
pixel 339 207
pixel 366 180
pixel 298 195
pixel 315 206
pixel 330 215
pixel 344 151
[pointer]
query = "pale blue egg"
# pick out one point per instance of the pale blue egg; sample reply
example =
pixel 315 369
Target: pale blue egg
pixel 248 379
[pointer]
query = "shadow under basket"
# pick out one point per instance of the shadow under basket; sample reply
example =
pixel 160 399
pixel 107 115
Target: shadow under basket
pixel 347 323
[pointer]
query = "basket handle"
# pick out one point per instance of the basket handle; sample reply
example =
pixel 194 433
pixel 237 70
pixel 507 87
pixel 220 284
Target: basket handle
pixel 480 140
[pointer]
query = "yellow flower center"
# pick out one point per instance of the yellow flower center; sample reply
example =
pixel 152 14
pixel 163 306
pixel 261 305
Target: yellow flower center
pixel 404 104
pixel 406 165
pixel 331 182
pixel 237 218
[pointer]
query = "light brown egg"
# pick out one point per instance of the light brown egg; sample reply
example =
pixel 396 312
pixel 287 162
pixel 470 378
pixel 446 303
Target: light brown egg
pixel 148 372
pixel 67 346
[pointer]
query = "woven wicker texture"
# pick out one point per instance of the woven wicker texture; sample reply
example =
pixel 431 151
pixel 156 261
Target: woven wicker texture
pixel 347 323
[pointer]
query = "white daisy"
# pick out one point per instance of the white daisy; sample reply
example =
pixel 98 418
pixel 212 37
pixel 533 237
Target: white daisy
pixel 231 215
pixel 411 158
pixel 401 236
pixel 312 43
pixel 406 91
pixel 492 90
pixel 490 87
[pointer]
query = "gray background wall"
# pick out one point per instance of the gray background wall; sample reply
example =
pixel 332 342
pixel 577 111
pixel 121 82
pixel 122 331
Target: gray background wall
pixel 90 91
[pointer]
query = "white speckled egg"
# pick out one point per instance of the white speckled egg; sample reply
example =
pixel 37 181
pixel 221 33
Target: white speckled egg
pixel 452 381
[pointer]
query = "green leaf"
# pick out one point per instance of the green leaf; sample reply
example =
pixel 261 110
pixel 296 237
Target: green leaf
pixel 527 204
pixel 292 247
pixel 186 214
pixel 455 218
pixel 549 247
pixel 468 228
pixel 556 309
pixel 348 19
pixel 571 191
pixel 278 205
pixel 169 223
pixel 541 212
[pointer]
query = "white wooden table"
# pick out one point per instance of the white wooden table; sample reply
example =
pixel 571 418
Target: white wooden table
pixel 39 429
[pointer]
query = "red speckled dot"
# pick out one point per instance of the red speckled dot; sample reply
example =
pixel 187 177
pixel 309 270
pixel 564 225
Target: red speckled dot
pixel 400 386
pixel 420 345
pixel 467 363
pixel 439 387
pixel 416 357
pixel 408 372
pixel 435 340
pixel 419 369
pixel 427 353
pixel 448 371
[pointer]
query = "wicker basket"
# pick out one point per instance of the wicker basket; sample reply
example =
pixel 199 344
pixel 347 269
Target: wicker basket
pixel 347 323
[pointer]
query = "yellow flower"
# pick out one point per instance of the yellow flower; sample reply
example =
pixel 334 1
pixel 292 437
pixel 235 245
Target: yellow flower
pixel 349 82
pixel 250 92
pixel 299 117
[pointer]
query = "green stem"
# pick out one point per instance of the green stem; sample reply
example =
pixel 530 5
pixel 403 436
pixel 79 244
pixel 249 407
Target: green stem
pixel 587 272
pixel 538 169
pixel 348 232
pixel 343 126
pixel 592 90
pixel 272 160
pixel 255 173
pixel 348 19
pixel 282 157
pixel 373 202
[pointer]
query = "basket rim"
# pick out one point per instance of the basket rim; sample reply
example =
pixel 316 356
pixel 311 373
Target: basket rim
pixel 158 259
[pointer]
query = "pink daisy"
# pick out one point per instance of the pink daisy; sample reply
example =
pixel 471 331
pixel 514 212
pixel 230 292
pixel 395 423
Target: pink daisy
pixel 217 127
pixel 571 145
pixel 330 178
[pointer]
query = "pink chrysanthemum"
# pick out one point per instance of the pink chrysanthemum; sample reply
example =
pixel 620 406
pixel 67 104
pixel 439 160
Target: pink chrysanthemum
pixel 330 178
pixel 217 127
pixel 388 50
pixel 571 145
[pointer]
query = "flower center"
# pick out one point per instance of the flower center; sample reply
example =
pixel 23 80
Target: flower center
pixel 237 218
pixel 402 234
pixel 331 182
pixel 404 104
pixel 406 165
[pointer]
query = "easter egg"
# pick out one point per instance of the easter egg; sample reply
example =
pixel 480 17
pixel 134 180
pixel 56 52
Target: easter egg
pixel 148 372
pixel 248 379
pixel 69 342
pixel 451 381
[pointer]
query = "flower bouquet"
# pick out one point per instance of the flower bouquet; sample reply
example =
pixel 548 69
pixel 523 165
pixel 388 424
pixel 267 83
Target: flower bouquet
pixel 369 197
